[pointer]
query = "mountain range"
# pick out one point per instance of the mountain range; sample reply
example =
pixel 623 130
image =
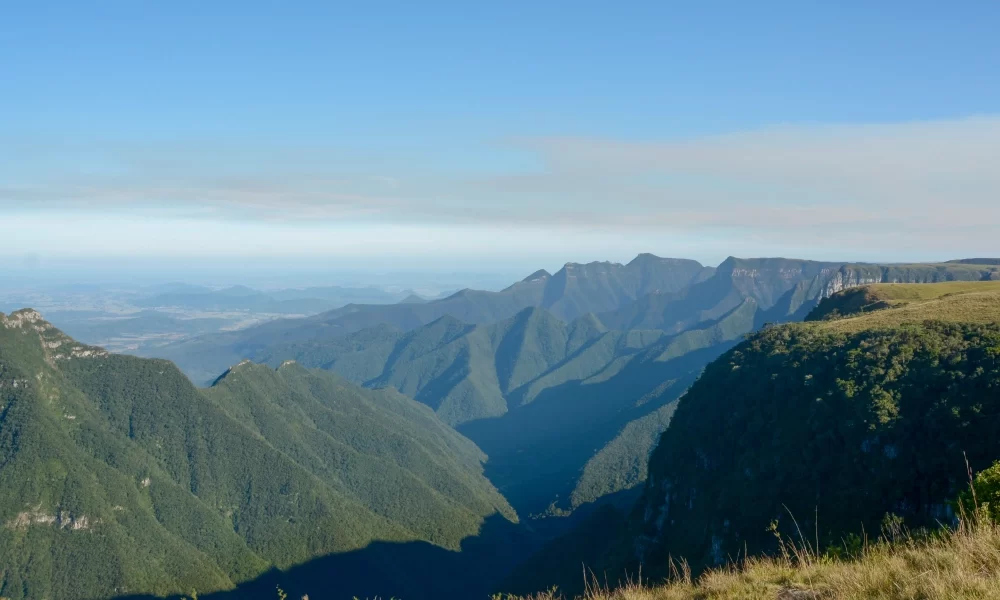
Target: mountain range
pixel 647 293
pixel 393 443
pixel 602 350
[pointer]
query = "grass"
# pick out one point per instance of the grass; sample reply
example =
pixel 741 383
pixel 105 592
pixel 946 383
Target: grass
pixel 954 565
pixel 957 302
pixel 931 291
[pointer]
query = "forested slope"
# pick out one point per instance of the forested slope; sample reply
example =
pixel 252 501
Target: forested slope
pixel 836 422
pixel 118 476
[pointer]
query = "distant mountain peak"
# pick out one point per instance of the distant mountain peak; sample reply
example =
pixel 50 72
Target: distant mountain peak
pixel 645 258
pixel 593 263
pixel 19 318
pixel 413 299
pixel 240 290
pixel 240 366
pixel 538 275
pixel 459 294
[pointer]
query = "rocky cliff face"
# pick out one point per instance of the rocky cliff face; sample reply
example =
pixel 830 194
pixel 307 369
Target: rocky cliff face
pixel 850 276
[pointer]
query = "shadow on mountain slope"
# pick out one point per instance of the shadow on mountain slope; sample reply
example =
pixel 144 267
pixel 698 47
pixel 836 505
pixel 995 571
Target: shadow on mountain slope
pixel 538 452
pixel 412 570
pixel 419 570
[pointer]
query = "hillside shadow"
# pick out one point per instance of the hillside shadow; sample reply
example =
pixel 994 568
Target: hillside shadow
pixel 385 570
pixel 537 451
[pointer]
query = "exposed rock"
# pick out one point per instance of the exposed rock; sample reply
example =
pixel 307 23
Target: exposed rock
pixel 21 318
pixel 64 520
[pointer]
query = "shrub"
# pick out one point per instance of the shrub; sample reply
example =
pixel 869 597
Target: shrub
pixel 983 497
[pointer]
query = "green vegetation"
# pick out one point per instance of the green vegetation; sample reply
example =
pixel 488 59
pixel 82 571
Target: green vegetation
pixel 467 372
pixel 118 476
pixel 838 422
pixel 585 428
pixel 516 385
pixel 839 426
pixel 915 297
pixel 982 499
pixel 948 302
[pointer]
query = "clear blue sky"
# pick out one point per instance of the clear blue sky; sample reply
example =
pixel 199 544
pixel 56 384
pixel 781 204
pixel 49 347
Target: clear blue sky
pixel 437 131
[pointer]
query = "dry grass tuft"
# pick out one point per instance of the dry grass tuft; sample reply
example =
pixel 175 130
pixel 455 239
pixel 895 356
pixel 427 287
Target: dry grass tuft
pixel 951 565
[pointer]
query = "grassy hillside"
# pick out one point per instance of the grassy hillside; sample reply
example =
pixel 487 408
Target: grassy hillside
pixel 845 420
pixel 118 476
pixel 969 302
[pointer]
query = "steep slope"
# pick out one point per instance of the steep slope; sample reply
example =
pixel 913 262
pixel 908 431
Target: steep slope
pixel 376 444
pixel 118 476
pixel 564 411
pixel 585 437
pixel 573 291
pixel 578 289
pixel 519 385
pixel 463 371
pixel 845 419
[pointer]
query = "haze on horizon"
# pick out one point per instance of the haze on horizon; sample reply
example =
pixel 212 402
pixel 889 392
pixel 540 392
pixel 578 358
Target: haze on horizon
pixel 506 137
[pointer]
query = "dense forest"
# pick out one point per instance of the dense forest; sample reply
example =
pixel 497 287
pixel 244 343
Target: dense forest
pixel 118 476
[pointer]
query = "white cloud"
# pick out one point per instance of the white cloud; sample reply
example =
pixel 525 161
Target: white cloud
pixel 924 186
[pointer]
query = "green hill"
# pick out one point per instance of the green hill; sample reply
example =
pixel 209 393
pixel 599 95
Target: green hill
pixel 837 422
pixel 587 432
pixel 118 476
pixel 516 386
pixel 465 371
pixel 954 301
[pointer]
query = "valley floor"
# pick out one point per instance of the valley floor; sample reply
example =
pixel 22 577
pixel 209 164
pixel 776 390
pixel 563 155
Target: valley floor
pixel 959 565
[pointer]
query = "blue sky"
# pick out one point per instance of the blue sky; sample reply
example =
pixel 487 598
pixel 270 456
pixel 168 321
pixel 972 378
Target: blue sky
pixel 458 133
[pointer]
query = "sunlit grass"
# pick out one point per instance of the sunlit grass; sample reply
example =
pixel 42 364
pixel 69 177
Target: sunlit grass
pixel 961 564
pixel 957 302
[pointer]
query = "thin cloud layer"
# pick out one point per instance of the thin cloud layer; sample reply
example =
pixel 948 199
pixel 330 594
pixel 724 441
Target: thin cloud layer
pixel 863 183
